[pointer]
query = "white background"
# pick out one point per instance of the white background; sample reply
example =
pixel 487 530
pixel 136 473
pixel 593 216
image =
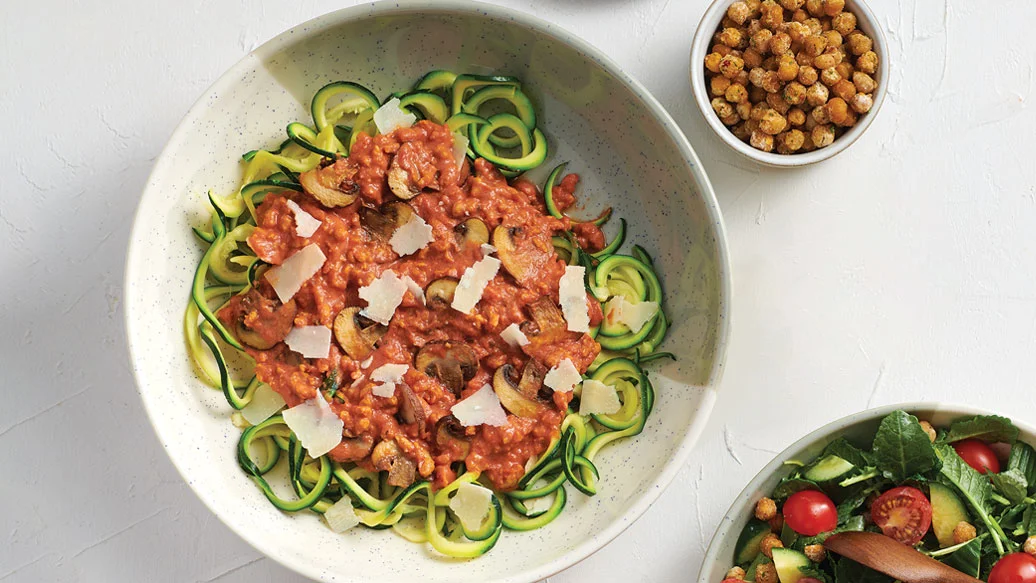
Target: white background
pixel 904 269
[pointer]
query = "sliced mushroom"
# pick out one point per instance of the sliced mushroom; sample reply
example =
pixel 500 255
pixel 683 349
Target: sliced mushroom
pixel 471 232
pixel 450 437
pixel 531 383
pixel 453 363
pixel 506 385
pixel 518 253
pixel 439 294
pixel 353 449
pixel 548 319
pixel 411 408
pixel 399 181
pixel 387 457
pixel 262 322
pixel 383 222
pixel 357 334
pixel 333 185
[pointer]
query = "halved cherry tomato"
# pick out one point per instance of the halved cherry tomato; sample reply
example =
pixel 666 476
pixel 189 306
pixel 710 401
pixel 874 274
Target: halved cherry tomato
pixel 810 513
pixel 978 455
pixel 1014 568
pixel 903 514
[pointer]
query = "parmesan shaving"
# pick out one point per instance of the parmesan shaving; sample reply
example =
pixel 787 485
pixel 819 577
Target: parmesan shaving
pixel 619 310
pixel 481 408
pixel 390 117
pixel 564 377
pixel 514 336
pixel 473 282
pixel 388 376
pixel 383 296
pixel 598 398
pixel 310 341
pixel 413 236
pixel 341 516
pixel 460 149
pixel 572 294
pixel 414 289
pixel 316 425
pixel 265 402
pixel 471 504
pixel 288 277
pixel 305 223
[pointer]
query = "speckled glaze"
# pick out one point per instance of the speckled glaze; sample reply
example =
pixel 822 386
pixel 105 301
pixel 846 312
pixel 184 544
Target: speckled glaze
pixel 856 427
pixel 866 21
pixel 631 156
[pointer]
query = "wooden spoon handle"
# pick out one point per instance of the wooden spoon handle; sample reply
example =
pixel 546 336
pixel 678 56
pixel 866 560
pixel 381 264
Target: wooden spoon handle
pixel 892 558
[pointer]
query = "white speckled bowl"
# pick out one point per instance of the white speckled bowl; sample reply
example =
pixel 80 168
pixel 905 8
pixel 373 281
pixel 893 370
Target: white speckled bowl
pixel 866 21
pixel 628 150
pixel 856 427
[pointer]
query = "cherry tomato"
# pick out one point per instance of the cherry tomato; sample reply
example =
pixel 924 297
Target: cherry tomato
pixel 1014 568
pixel 978 455
pixel 903 514
pixel 810 513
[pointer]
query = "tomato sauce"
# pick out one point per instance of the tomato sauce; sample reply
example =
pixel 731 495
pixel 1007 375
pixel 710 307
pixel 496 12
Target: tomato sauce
pixel 356 256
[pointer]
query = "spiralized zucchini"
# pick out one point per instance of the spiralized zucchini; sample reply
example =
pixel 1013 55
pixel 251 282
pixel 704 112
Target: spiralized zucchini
pixel 468 104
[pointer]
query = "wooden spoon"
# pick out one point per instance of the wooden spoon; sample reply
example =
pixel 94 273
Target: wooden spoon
pixel 893 558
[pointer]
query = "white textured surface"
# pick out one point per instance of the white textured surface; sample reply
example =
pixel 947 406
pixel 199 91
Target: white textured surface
pixel 902 270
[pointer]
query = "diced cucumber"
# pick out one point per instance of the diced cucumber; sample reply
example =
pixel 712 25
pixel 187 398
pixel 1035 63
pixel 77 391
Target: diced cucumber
pixel 947 512
pixel 829 468
pixel 788 563
pixel 747 547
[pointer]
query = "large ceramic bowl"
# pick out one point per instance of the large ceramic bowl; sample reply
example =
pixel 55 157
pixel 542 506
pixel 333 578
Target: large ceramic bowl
pixel 859 428
pixel 631 155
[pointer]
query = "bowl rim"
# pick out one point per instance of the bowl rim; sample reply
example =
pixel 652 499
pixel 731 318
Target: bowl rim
pixel 335 18
pixel 728 527
pixel 702 36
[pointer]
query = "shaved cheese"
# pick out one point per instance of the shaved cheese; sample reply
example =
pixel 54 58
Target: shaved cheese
pixel 413 236
pixel 288 277
pixel 514 336
pixel 341 516
pixel 633 316
pixel 305 223
pixel 487 249
pixel 473 282
pixel 310 341
pixel 367 362
pixel 316 426
pixel 471 504
pixel 598 397
pixel 384 390
pixel 265 402
pixel 460 149
pixel 414 289
pixel 539 505
pixel 389 373
pixel 390 117
pixel 481 408
pixel 573 299
pixel 564 377
pixel 383 296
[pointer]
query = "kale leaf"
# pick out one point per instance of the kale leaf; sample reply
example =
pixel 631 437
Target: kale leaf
pixel 902 448
pixel 1023 459
pixel 848 452
pixel 791 485
pixel 968 558
pixel 975 488
pixel 1012 484
pixel 848 571
pixel 1028 524
pixel 991 428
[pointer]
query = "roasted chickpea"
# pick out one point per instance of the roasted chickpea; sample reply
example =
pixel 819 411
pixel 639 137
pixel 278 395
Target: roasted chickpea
pixel 754 26
pixel 771 82
pixel 837 110
pixel 845 70
pixel 730 66
pixel 797 31
pixel 829 76
pixel 731 119
pixel 772 122
pixel 814 45
pixel 776 101
pixel 751 126
pixel 741 132
pixel 963 532
pixel 718 85
pixel 928 428
pixel 765 509
pixel 833 38
pixel 867 62
pixel 770 63
pixel 753 5
pixel 799 15
pixel 817 94
pixel 808 75
pixel 760 41
pixel 742 78
pixel 790 141
pixel 762 141
pixel 722 107
pixel 772 15
pixel 726 22
pixel 833 7
pixel 823 135
pixel 712 62
pixel 766 574
pixel 819 115
pixel 756 94
pixel 815 553
pixel 1030 546
pixel 828 60
pixel 758 110
pixel 787 68
pixel 752 58
pixel 810 124
pixel 739 12
pixel 755 77
pixel 736 93
pixel 803 59
pixel 744 109
pixel 864 83
pixel 770 542
pixel 844 23
pixel 795 93
pixel 815 7
pixel 722 49
pixel 844 89
pixel 814 26
pixel 792 4
pixel 796 117
pixel 736 573
pixel 780 43
pixel 859 43
pixel 730 37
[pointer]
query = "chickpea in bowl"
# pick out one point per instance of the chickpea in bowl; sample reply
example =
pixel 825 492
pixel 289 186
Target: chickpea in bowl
pixel 782 77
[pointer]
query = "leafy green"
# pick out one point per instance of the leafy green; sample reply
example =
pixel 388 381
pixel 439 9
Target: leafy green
pixel 975 488
pixel 330 385
pixel 1012 484
pixel 854 524
pixel 1023 459
pixel 852 503
pixel 967 558
pixel 815 572
pixel 848 571
pixel 991 428
pixel 1028 523
pixel 848 452
pixel 902 448
pixel 789 486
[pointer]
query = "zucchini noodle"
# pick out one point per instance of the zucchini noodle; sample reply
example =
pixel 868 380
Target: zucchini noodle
pixel 511 140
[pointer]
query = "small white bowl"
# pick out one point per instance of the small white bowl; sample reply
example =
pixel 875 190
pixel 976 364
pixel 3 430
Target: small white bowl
pixel 856 427
pixel 866 21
